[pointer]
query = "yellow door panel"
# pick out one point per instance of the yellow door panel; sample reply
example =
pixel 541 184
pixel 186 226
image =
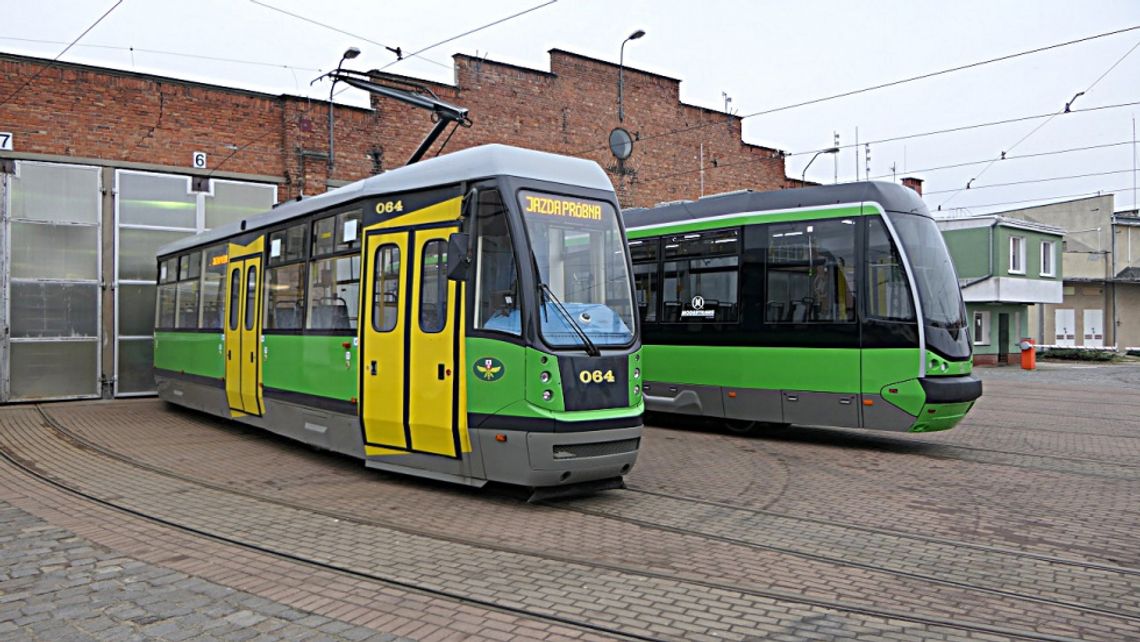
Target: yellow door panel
pixel 251 338
pixel 382 333
pixel 432 368
pixel 234 298
pixel 243 328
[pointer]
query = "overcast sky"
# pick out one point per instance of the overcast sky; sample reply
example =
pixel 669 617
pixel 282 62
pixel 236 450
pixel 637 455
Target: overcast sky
pixel 762 54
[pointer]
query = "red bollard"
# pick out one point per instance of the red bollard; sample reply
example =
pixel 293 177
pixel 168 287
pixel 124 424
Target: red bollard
pixel 1028 354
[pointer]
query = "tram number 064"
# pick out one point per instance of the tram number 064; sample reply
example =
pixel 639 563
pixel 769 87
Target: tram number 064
pixel 388 207
pixel 596 376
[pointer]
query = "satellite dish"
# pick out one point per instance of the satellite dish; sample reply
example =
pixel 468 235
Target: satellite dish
pixel 621 143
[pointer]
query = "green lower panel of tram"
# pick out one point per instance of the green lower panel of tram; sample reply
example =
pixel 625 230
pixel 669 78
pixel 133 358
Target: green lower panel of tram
pixel 192 353
pixel 322 366
pixel 876 389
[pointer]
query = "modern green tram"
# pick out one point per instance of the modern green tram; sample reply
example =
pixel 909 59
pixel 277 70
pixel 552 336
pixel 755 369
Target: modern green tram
pixel 468 318
pixel 834 306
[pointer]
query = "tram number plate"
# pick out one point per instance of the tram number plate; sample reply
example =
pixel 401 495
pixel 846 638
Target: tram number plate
pixel 596 376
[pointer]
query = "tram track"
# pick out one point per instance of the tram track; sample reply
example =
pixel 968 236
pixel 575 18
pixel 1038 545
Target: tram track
pixel 985 548
pixel 836 605
pixel 814 438
pixel 870 567
pixel 13 460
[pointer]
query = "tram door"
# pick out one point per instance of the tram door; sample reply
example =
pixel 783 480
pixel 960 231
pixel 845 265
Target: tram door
pixel 243 328
pixel 412 380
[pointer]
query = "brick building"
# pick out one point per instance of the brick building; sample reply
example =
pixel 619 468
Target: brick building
pixel 103 166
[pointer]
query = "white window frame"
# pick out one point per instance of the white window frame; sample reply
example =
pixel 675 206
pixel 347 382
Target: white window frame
pixel 985 315
pixel 1017 267
pixel 1047 251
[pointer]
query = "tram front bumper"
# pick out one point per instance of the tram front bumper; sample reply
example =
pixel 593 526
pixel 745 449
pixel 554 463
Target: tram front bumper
pixel 533 458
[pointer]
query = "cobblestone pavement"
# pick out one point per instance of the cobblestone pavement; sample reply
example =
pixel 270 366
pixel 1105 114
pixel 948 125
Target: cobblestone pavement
pixel 1018 522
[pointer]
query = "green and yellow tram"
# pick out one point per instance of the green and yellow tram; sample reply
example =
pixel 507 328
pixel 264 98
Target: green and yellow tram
pixel 467 318
pixel 834 306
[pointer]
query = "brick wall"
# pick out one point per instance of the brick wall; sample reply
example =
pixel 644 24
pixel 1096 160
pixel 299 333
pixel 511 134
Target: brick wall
pixel 80 111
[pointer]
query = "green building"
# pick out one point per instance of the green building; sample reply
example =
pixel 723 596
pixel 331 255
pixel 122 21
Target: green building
pixel 1005 265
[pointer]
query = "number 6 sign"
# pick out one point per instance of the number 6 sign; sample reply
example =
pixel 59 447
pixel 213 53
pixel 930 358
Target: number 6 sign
pixel 199 160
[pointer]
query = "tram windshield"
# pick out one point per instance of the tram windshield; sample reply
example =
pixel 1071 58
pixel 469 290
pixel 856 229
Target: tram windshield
pixel 579 253
pixel 937 282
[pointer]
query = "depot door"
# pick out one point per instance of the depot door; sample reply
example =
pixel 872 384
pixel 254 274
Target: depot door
pixel 243 328
pixel 410 382
pixel 1065 327
pixel 1094 328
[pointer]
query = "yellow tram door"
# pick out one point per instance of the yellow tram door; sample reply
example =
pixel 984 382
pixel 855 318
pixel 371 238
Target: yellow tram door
pixel 243 328
pixel 433 369
pixel 383 328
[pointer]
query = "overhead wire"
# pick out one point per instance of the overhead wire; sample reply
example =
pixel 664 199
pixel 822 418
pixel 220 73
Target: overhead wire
pixel 166 53
pixel 1100 192
pixel 1008 158
pixel 60 54
pixel 885 85
pixel 937 132
pixel 1050 179
pixel 468 33
pixel 1064 110
pixel 417 53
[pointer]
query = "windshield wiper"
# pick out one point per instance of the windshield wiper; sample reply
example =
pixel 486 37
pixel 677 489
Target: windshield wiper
pixel 591 349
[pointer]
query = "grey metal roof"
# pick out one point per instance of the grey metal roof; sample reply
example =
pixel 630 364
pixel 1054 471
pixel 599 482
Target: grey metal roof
pixel 468 164
pixel 890 196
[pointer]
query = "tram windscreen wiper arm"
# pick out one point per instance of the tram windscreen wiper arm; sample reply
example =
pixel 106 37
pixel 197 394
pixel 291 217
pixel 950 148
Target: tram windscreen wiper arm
pixel 591 348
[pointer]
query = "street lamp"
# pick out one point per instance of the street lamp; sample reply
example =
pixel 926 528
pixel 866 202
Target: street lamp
pixel 621 63
pixel 349 54
pixel 829 150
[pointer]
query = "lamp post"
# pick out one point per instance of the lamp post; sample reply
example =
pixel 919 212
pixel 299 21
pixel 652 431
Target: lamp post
pixel 829 150
pixel 349 54
pixel 621 66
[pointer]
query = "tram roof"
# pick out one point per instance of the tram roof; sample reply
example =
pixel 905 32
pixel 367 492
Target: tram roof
pixel 469 164
pixel 889 196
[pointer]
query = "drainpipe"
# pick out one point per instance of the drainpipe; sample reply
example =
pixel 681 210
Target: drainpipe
pixel 1112 278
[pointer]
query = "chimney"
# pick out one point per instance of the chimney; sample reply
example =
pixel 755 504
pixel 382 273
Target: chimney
pixel 913 183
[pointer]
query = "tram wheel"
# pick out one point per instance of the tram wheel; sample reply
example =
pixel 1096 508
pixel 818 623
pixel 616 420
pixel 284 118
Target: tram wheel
pixel 750 426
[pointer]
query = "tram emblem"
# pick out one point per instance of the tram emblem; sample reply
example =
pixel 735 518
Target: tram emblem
pixel 697 304
pixel 490 369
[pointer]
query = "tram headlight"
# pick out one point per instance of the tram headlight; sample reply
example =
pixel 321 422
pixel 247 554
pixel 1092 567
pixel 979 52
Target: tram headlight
pixel 636 389
pixel 547 395
pixel 637 373
pixel 544 377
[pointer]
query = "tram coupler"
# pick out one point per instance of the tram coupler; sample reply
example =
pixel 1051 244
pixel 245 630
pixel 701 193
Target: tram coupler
pixel 570 491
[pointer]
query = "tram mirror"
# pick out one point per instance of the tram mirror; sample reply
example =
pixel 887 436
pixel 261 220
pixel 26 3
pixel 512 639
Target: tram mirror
pixel 458 259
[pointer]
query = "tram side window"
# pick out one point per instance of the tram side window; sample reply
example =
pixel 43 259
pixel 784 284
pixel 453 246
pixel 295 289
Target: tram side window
pixel 213 294
pixel 811 272
pixel 496 281
pixel 888 291
pixel 334 290
pixel 250 297
pixel 284 291
pixel 285 279
pixel 701 277
pixel 189 275
pixel 433 287
pixel 235 302
pixel 644 254
pixel 334 282
pixel 386 288
pixel 167 293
